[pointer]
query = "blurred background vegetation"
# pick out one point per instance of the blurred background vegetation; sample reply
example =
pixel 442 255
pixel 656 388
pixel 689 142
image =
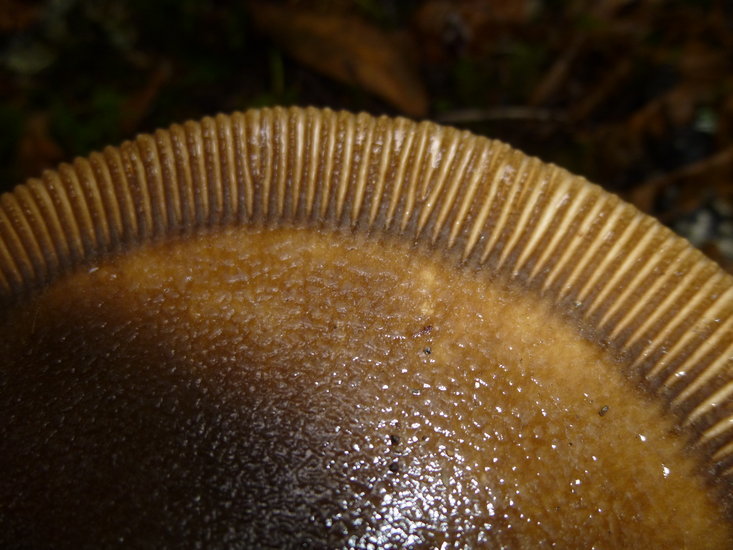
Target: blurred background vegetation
pixel 636 95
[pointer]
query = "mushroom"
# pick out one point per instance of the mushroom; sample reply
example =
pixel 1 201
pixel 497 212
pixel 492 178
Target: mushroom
pixel 303 328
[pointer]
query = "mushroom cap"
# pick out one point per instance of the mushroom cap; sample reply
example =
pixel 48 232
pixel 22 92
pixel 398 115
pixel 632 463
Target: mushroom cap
pixel 321 329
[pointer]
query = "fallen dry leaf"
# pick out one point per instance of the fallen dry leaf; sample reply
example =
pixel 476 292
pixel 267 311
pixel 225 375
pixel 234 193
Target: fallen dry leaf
pixel 451 28
pixel 139 104
pixel 37 150
pixel 717 170
pixel 557 75
pixel 17 15
pixel 347 49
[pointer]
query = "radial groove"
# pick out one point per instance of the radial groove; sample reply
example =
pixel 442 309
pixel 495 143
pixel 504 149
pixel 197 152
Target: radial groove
pixel 638 291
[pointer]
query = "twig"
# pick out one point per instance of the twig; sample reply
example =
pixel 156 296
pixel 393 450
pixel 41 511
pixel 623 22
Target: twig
pixel 519 112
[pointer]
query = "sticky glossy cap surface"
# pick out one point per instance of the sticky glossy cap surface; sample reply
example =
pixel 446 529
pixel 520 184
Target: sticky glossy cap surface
pixel 309 327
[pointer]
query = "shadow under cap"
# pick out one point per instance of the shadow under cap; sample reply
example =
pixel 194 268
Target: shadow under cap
pixel 232 326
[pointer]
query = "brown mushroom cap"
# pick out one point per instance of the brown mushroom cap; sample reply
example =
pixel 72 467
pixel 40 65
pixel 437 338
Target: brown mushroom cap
pixel 306 328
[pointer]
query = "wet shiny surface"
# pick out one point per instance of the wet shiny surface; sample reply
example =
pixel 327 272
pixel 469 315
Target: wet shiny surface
pixel 289 388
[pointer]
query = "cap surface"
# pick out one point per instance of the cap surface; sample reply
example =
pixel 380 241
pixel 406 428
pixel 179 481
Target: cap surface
pixel 321 328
